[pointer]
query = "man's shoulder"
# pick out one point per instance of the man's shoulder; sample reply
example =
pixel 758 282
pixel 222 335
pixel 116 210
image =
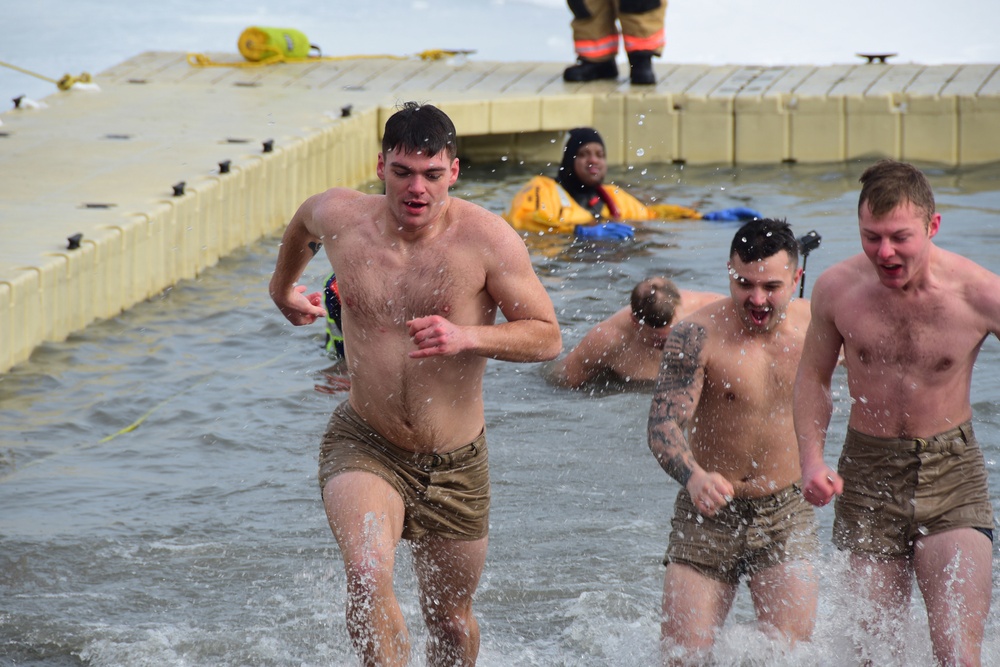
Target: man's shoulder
pixel 800 307
pixel 474 218
pixel 962 267
pixel 466 207
pixel 616 326
pixel 603 332
pixel 976 285
pixel 334 210
pixel 341 194
pixel 336 198
pixel 692 300
pixel 799 314
pixel 709 319
pixel 854 270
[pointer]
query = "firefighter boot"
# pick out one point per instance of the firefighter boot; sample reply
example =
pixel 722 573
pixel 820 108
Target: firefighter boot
pixel 589 70
pixel 642 68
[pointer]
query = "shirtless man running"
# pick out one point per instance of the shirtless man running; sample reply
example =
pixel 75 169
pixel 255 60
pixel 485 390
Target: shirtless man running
pixel 912 318
pixel 628 345
pixel 721 425
pixel 421 277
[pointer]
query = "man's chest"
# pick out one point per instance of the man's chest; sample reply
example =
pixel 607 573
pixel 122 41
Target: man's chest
pixel 910 335
pixel 389 289
pixel 754 374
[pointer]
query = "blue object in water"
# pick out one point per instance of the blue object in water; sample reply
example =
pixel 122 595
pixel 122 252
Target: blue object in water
pixel 737 213
pixel 608 230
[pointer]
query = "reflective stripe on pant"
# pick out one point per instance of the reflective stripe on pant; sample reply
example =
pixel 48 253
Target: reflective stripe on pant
pixel 595 34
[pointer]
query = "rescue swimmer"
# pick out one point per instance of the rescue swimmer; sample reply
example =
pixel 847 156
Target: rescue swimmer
pixel 578 201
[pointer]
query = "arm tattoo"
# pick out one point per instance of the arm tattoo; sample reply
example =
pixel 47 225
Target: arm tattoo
pixel 315 246
pixel 678 389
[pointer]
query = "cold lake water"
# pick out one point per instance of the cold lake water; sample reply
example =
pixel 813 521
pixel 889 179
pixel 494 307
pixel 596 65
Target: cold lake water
pixel 158 470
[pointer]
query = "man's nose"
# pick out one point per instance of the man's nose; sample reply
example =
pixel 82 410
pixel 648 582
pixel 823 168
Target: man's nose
pixel 416 184
pixel 758 295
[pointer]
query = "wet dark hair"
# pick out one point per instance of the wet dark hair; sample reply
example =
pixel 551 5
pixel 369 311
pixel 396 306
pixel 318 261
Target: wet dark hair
pixel 420 128
pixel 654 302
pixel 762 238
pixel 887 184
pixel 578 137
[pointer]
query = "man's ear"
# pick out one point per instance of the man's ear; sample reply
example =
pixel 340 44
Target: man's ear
pixel 934 225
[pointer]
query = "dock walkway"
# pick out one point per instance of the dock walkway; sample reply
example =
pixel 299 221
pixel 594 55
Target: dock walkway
pixel 170 166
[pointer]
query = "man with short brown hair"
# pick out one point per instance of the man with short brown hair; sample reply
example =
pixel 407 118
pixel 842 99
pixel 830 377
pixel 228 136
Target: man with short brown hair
pixel 421 277
pixel 912 485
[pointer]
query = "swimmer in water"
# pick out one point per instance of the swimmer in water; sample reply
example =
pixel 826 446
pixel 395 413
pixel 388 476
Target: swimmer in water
pixel 628 345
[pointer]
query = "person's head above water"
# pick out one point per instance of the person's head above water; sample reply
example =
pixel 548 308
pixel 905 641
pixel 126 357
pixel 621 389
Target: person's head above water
pixel 889 184
pixel 763 273
pixel 584 165
pixel 420 128
pixel 654 302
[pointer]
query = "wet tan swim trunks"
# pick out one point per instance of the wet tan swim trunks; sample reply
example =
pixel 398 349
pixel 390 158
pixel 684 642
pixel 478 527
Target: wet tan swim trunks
pixel 745 537
pixel 445 494
pixel 896 491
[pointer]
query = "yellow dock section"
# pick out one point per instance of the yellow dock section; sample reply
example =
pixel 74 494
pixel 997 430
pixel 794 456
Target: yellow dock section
pixel 170 166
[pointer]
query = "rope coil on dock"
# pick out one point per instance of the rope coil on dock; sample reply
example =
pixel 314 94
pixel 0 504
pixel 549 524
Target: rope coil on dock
pixel 64 83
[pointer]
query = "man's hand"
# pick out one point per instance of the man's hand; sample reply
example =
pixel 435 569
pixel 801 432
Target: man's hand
pixel 435 336
pixel 299 308
pixel 820 484
pixel 709 491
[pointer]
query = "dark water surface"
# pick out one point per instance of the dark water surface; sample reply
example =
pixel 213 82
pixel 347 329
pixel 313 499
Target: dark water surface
pixel 157 471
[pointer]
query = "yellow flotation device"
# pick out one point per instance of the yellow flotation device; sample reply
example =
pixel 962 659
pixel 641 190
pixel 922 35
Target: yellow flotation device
pixel 257 43
pixel 542 205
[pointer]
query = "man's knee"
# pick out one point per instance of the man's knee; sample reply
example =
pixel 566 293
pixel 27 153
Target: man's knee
pixel 454 628
pixel 369 571
pixel 450 611
pixel 454 636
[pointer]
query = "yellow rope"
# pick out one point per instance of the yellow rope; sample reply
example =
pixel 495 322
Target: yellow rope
pixel 201 60
pixel 134 425
pixel 203 378
pixel 64 83
pixel 67 81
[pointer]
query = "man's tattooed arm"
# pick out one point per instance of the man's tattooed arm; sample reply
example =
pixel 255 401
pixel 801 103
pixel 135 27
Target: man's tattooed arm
pixel 678 389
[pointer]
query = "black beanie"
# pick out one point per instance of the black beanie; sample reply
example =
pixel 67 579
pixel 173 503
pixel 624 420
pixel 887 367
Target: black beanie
pixel 567 175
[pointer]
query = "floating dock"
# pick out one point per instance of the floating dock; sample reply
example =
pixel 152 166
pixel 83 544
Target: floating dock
pixel 108 197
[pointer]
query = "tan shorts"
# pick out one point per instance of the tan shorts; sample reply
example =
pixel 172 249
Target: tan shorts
pixel 746 537
pixel 896 491
pixel 444 494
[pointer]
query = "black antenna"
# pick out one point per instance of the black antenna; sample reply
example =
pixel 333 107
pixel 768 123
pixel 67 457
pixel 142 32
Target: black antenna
pixel 807 244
